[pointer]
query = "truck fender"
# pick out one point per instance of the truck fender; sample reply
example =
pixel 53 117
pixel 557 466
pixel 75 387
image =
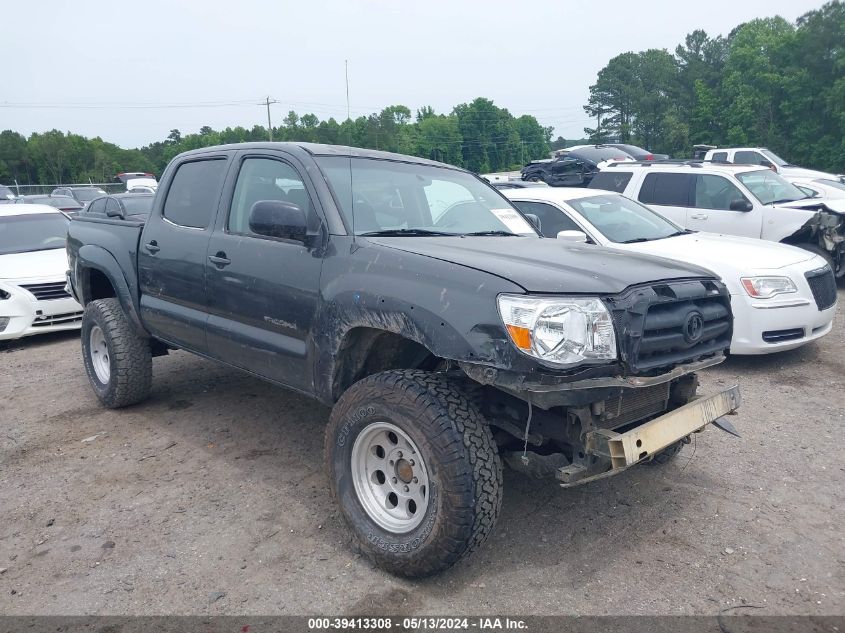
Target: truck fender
pixel 97 258
pixel 434 332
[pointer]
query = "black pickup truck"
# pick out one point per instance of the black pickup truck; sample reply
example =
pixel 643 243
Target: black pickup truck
pixel 419 303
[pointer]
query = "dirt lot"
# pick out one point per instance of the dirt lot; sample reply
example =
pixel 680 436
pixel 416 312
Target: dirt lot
pixel 210 498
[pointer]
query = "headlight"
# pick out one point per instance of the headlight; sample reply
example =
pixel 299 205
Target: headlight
pixel 767 287
pixel 561 330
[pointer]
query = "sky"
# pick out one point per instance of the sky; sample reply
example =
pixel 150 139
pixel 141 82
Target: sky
pixel 131 72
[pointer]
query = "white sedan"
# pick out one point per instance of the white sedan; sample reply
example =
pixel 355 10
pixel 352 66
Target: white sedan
pixel 33 263
pixel 782 296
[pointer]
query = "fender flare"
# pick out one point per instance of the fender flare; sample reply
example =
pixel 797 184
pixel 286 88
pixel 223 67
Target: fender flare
pixel 99 259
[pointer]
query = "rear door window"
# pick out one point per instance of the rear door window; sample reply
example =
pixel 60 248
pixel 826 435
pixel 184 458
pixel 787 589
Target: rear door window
pixel 194 193
pixel 611 180
pixel 671 190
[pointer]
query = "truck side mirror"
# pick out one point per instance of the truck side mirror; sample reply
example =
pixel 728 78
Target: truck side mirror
pixel 572 236
pixel 278 218
pixel 741 205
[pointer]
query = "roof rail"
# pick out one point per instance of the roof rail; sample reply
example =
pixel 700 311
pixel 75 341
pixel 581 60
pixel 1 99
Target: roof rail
pixel 688 162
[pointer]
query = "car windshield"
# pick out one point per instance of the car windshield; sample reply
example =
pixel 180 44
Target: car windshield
pixel 769 187
pixel 622 220
pixel 777 160
pixel 393 198
pixel 87 195
pixel 32 232
pixel 137 204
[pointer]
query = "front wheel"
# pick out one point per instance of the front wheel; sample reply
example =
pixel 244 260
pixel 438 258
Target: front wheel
pixel 415 470
pixel 118 361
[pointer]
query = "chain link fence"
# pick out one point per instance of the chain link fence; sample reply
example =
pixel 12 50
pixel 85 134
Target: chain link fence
pixel 27 190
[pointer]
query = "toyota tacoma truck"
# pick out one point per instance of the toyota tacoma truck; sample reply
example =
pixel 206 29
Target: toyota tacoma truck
pixel 446 334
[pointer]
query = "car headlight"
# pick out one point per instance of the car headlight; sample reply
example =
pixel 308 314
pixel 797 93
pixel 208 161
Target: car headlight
pixel 767 287
pixel 559 330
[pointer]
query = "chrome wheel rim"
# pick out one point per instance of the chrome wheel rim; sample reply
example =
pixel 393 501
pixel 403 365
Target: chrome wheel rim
pixel 99 352
pixel 390 477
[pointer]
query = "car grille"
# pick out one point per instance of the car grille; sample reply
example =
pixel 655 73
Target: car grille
pixel 57 319
pixel 48 291
pixel 823 286
pixel 667 324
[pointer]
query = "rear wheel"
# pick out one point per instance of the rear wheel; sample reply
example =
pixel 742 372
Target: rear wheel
pixel 415 470
pixel 118 361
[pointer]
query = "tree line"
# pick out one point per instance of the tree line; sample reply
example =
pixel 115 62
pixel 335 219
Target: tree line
pixel 479 136
pixel 767 83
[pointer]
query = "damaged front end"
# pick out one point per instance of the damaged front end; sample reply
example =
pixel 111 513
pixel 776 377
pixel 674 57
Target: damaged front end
pixel 583 425
pixel 825 229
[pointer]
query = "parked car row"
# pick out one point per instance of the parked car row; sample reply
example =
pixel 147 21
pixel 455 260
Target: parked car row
pixel 740 200
pixel 33 261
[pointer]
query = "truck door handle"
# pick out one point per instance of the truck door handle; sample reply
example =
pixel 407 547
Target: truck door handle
pixel 699 216
pixel 152 246
pixel 220 260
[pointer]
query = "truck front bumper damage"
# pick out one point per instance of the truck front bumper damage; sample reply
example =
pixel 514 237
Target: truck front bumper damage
pixel 642 442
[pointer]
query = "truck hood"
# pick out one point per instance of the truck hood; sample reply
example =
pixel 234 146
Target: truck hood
pixel 801 172
pixel 548 265
pixel 34 265
pixel 725 254
pixel 836 205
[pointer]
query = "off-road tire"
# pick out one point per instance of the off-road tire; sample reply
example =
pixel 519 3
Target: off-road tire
pixel 464 470
pixel 131 372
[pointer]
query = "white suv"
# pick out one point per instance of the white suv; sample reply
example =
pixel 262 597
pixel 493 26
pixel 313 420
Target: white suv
pixel 733 200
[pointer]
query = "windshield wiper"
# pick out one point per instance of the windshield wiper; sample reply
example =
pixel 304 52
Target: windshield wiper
pixel 479 233
pixel 788 200
pixel 675 234
pixel 636 239
pixel 404 232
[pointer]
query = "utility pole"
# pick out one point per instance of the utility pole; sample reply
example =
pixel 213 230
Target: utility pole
pixel 267 102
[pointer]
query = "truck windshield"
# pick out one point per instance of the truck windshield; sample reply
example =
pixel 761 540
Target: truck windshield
pixel 777 160
pixel 403 199
pixel 624 221
pixel 32 232
pixel 769 187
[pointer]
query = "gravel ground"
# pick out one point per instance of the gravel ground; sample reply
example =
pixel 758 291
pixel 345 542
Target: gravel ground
pixel 210 498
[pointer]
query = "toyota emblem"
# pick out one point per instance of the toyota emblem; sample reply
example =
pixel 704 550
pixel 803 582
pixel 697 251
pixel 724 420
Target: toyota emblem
pixel 693 327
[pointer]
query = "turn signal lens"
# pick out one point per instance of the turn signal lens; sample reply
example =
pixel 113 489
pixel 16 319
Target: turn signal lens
pixel 520 336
